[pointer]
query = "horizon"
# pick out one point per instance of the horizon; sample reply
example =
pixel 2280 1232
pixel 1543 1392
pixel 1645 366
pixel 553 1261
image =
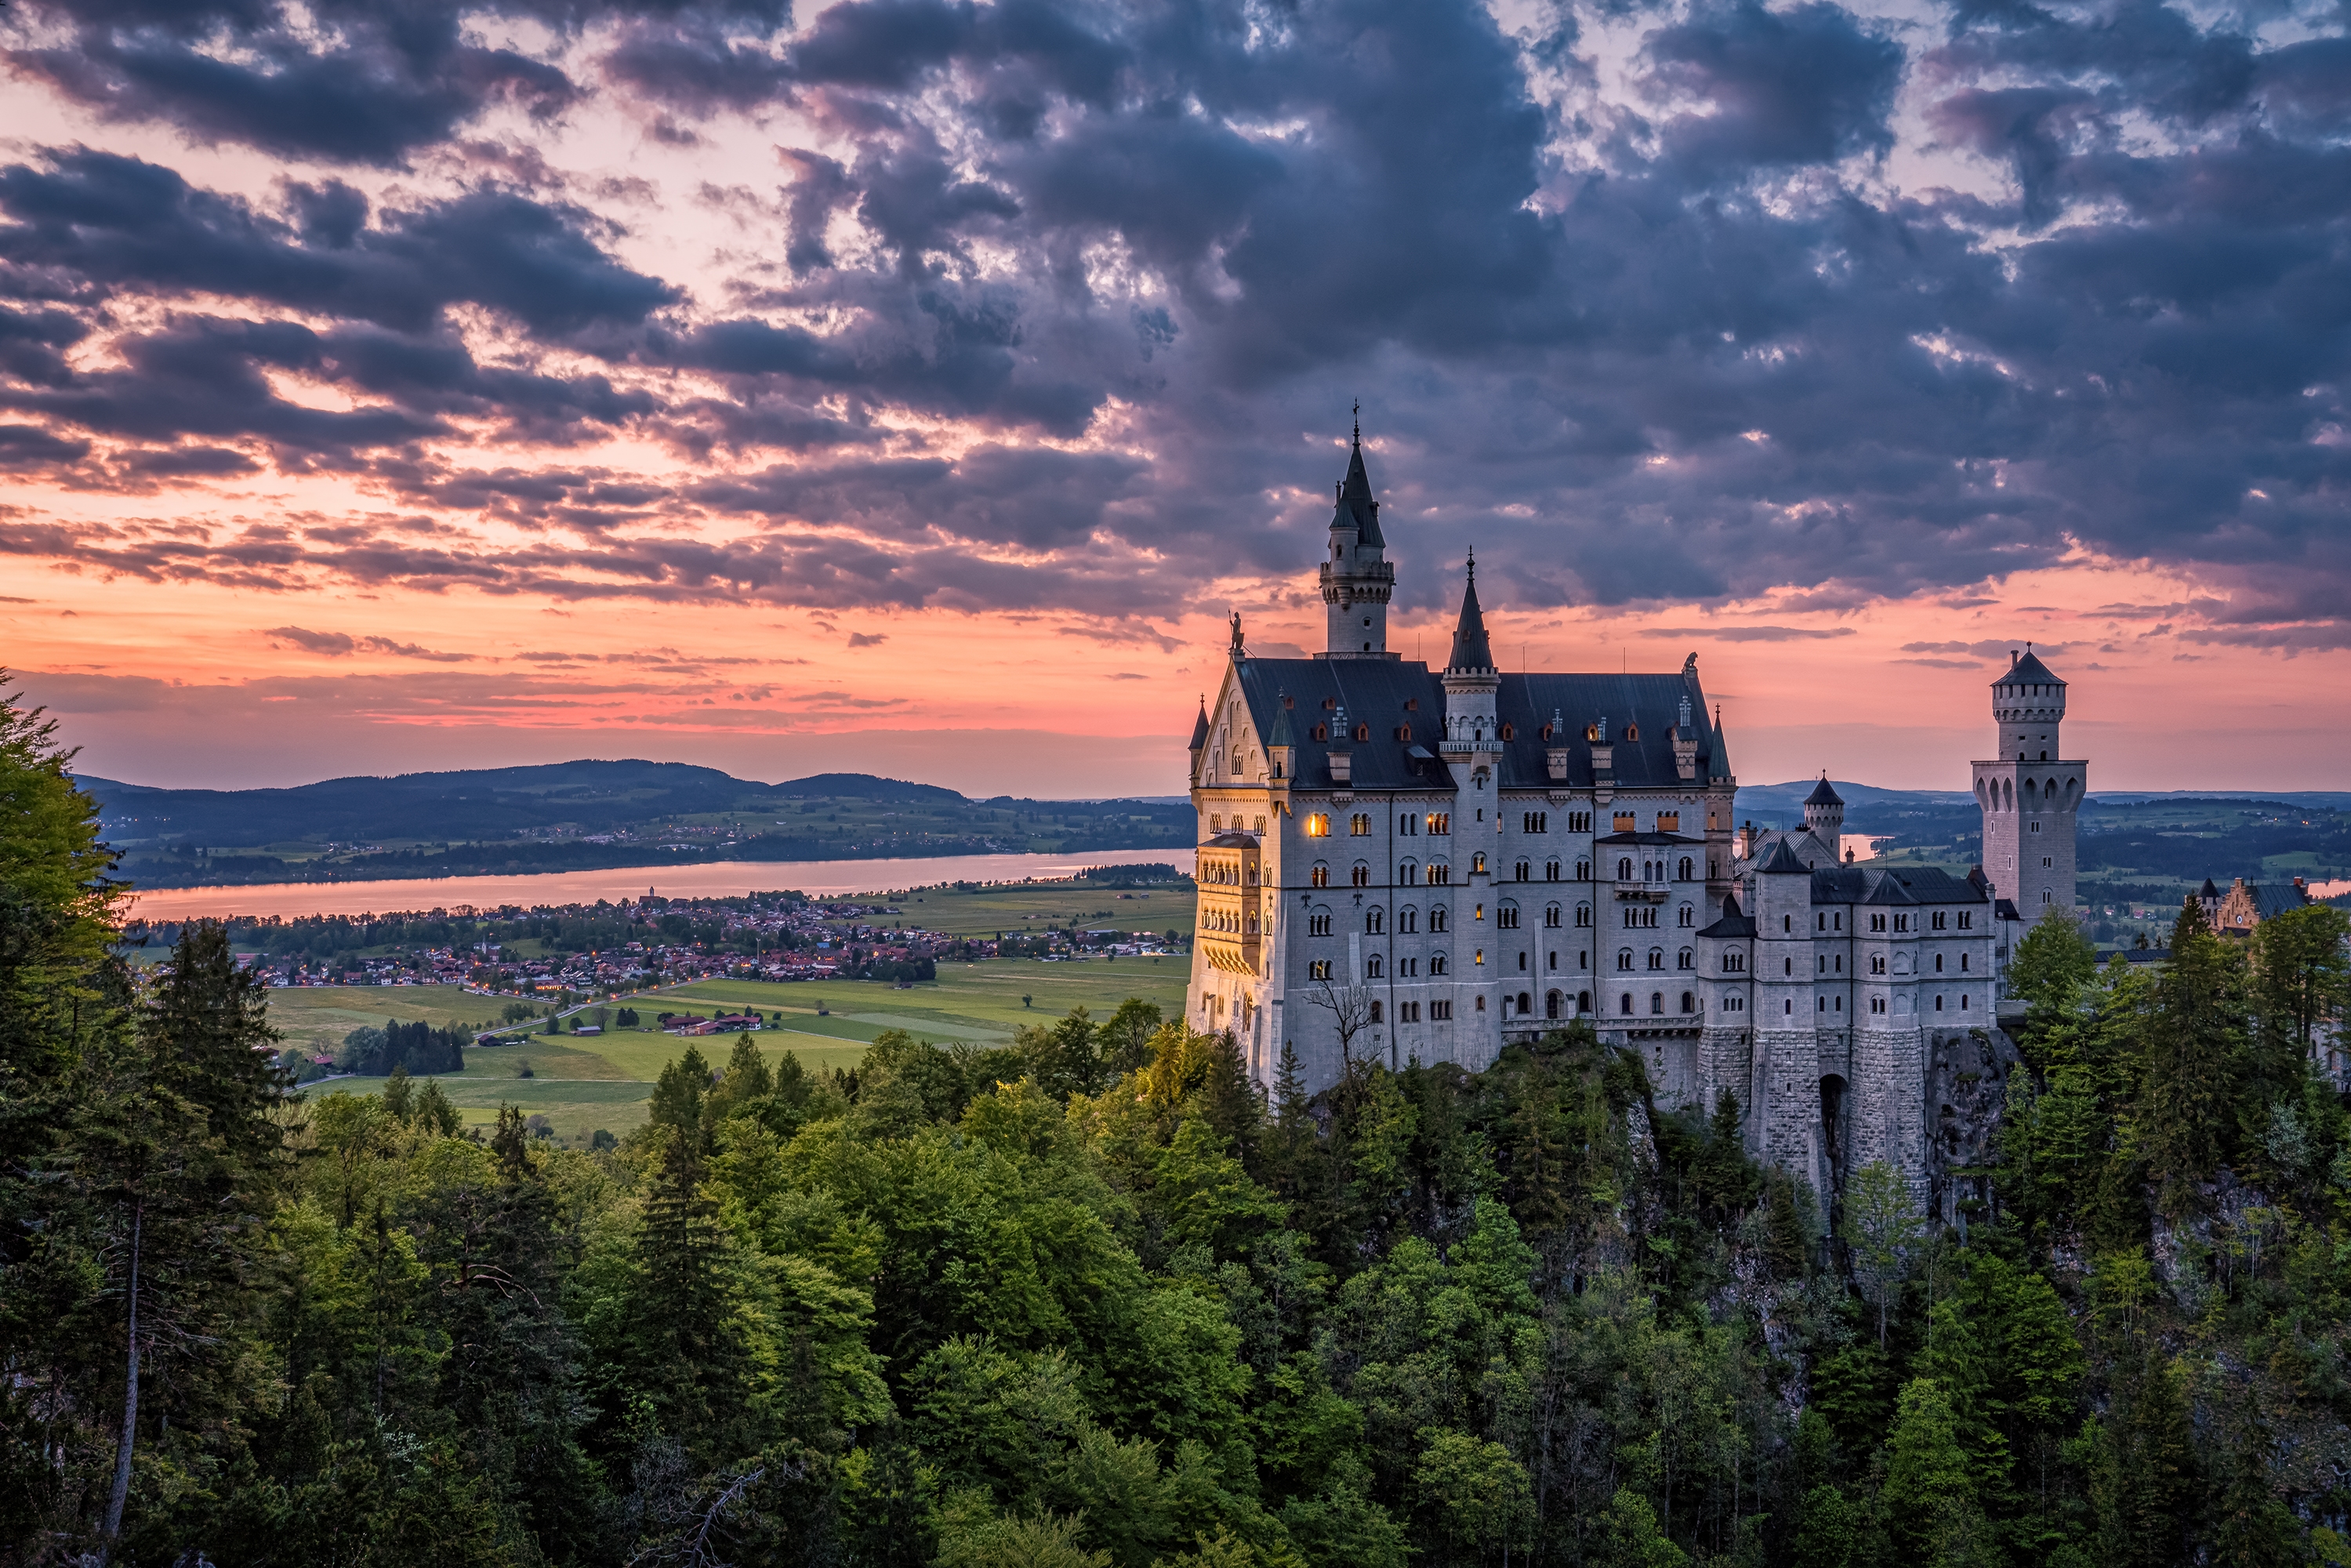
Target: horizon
pixel 792 393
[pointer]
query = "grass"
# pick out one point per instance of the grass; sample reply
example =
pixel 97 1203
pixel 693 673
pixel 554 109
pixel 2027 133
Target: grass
pixel 968 1001
pixel 322 1015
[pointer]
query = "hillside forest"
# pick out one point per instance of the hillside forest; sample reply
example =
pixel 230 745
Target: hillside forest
pixel 1091 1300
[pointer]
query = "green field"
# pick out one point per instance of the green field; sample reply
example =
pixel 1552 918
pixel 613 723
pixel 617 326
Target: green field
pixel 1033 907
pixel 603 1082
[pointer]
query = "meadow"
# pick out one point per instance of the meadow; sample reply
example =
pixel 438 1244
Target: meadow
pixel 601 1082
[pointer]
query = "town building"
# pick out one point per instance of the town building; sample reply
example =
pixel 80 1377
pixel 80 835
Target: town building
pixel 1401 863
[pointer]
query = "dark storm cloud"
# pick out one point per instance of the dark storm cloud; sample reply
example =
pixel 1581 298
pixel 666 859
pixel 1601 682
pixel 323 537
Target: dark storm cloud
pixel 1683 346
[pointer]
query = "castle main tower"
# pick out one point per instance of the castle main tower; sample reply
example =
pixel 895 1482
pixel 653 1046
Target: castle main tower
pixel 1357 579
pixel 2029 793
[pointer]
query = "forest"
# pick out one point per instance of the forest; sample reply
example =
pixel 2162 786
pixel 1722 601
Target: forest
pixel 1093 1300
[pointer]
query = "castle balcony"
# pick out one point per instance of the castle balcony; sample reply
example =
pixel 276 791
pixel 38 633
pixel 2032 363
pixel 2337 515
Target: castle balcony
pixel 1233 955
pixel 1464 746
pixel 1644 890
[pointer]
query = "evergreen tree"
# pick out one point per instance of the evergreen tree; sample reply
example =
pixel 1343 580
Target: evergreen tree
pixel 2193 1060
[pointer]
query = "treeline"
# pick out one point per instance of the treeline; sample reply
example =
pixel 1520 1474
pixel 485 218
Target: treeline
pixel 1092 1300
pixel 416 1048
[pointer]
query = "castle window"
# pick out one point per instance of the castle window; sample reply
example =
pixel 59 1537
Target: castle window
pixel 1363 874
pixel 1436 961
pixel 1320 877
pixel 1632 732
pixel 1686 959
pixel 1477 863
pixel 1624 822
pixel 1877 963
pixel 1373 920
pixel 1408 920
pixel 1551 1004
pixel 1624 960
pixel 1939 1004
pixel 1407 1012
pixel 1689 917
pixel 1318 825
pixel 1481 1004
pixel 1438 1012
pixel 1838 1007
pixel 1689 1002
pixel 1363 732
pixel 1359 826
pixel 1506 918
pixel 1319 924
pixel 1787 923
pixel 1510 732
pixel 1624 869
pixel 1408 824
pixel 1319 970
pixel 1408 873
pixel 1553 960
pixel 1938 920
pixel 1734 963
pixel 1378 1010
pixel 1440 874
pixel 1579 821
pixel 1535 822
pixel 1734 1004
pixel 1657 999
pixel 1371 968
pixel 1321 732
pixel 1963 962
pixel 1550 917
pixel 1877 1004
pixel 1963 1001
pixel 1550 871
pixel 1440 821
pixel 1625 1005
pixel 1967 919
pixel 1436 918
pixel 1939 963
pixel 1583 871
pixel 1689 866
pixel 1657 958
pixel 1520 872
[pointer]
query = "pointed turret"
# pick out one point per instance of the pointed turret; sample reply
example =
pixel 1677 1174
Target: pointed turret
pixel 1719 758
pixel 1200 728
pixel 1824 813
pixel 1471 651
pixel 1357 581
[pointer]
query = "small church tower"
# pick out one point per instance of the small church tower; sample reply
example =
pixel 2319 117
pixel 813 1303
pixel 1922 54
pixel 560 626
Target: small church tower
pixel 2029 793
pixel 1357 579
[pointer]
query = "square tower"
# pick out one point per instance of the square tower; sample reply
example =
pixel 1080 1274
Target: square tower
pixel 2029 793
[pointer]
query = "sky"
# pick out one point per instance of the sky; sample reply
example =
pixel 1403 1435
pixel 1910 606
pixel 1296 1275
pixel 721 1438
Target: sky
pixel 916 387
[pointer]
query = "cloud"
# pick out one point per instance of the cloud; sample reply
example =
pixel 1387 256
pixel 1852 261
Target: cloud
pixel 1018 307
pixel 868 639
pixel 1748 633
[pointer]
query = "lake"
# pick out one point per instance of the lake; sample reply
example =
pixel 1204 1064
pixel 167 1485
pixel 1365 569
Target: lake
pixel 718 879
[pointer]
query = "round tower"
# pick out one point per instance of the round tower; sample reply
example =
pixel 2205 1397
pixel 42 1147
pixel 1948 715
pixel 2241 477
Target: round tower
pixel 1824 814
pixel 2029 793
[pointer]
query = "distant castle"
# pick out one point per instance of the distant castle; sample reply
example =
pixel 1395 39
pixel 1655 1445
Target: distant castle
pixel 1401 863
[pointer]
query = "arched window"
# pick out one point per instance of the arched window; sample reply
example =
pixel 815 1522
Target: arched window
pixel 1519 871
pixel 1686 959
pixel 1624 960
pixel 1689 917
pixel 1408 873
pixel 1584 1002
pixel 1408 920
pixel 1583 871
pixel 1550 917
pixel 1550 871
pixel 1657 1004
pixel 1320 877
pixel 1477 863
pixel 1551 1004
pixel 1584 917
pixel 1371 968
pixel 1363 874
pixel 1378 1012
pixel 1437 962
pixel 1624 869
pixel 1506 917
pixel 1359 826
pixel 1689 1003
pixel 1526 1004
pixel 1625 1005
pixel 1436 917
pixel 1374 919
pixel 1657 958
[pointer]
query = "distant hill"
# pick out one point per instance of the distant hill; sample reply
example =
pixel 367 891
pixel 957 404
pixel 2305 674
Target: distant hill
pixel 585 815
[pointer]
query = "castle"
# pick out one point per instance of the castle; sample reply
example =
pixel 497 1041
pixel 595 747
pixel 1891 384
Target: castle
pixel 1400 863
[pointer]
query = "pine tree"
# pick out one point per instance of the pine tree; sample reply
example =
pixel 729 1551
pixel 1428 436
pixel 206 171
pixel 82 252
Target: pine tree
pixel 2189 1099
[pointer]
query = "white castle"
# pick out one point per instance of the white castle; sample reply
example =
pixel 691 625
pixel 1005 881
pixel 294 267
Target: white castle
pixel 1398 862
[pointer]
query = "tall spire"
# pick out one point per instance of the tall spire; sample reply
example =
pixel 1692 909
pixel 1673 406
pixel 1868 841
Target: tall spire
pixel 1357 508
pixel 1472 650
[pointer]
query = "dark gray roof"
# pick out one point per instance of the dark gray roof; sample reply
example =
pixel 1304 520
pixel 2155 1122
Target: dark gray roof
pixel 2207 890
pixel 1357 509
pixel 2276 898
pixel 1731 923
pixel 1780 861
pixel 1911 884
pixel 1374 692
pixel 1823 795
pixel 1471 651
pixel 1200 726
pixel 2028 669
pixel 1649 839
pixel 1284 732
pixel 1230 839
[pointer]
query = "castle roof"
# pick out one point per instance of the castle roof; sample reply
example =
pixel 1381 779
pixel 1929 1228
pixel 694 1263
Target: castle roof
pixel 1471 651
pixel 2028 668
pixel 1780 861
pixel 1284 733
pixel 1732 923
pixel 1823 795
pixel 1878 885
pixel 1200 726
pixel 1375 693
pixel 1356 509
